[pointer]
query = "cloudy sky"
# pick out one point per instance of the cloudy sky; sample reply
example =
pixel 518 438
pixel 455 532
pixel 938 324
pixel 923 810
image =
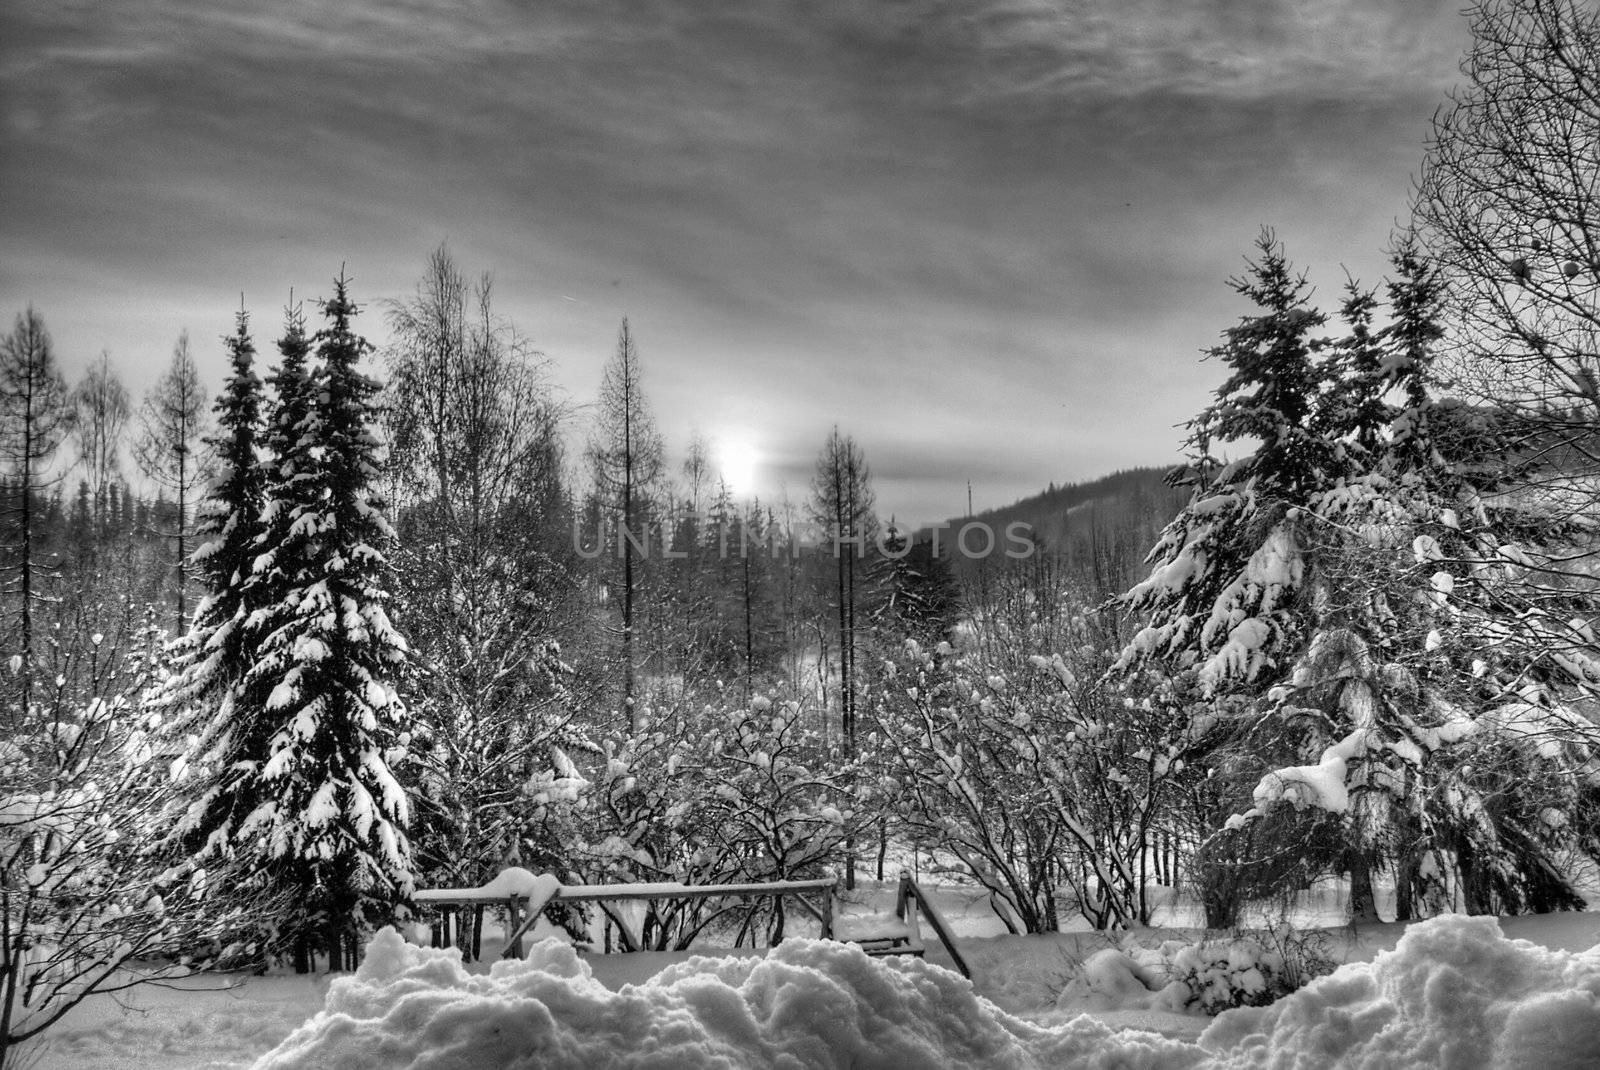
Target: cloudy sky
pixel 988 238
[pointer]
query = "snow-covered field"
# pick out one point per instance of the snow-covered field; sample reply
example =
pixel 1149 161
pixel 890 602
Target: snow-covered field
pixel 1453 992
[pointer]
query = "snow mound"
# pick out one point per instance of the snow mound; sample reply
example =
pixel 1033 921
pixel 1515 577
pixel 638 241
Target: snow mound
pixel 807 1004
pixel 1454 994
pixel 1177 978
pixel 1115 979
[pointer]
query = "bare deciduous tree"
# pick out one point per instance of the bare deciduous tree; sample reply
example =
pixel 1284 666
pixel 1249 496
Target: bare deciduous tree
pixel 627 460
pixel 485 586
pixel 171 431
pixel 100 412
pixel 842 504
pixel 1509 205
pixel 33 419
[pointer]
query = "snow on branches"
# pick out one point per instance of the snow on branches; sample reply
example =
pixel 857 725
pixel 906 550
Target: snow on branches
pixel 86 905
pixel 1038 780
pixel 1388 595
pixel 290 746
pixel 716 795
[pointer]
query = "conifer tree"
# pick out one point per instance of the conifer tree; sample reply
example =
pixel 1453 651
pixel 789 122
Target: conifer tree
pixel 211 660
pixel 310 802
pixel 915 594
pixel 1380 639
pixel 217 708
pixel 842 505
pixel 333 813
pixel 1227 569
pixel 1353 409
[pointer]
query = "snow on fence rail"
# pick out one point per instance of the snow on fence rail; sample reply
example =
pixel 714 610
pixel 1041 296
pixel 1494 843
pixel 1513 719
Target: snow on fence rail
pixel 526 895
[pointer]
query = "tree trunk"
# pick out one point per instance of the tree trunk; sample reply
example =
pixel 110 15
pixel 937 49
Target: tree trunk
pixel 1405 881
pixel 1363 901
pixel 749 631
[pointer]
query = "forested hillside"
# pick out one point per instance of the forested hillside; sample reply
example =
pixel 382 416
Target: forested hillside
pixel 1101 530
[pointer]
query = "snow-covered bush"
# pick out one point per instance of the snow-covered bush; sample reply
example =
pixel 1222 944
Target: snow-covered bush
pixel 716 795
pixel 1246 969
pixel 85 906
pixel 1041 782
pixel 475 805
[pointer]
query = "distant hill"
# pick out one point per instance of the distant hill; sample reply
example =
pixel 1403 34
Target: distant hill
pixel 1113 520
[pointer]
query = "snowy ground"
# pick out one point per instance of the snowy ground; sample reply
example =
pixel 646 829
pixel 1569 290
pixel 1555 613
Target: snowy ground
pixel 816 994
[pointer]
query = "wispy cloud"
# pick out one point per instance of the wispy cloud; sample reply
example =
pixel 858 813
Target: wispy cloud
pixel 933 222
pixel 1239 49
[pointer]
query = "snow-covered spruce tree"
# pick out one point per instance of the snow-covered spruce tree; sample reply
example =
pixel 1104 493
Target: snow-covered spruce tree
pixel 313 805
pixel 1395 589
pixel 225 730
pixel 1509 671
pixel 1226 600
pixel 1220 598
pixel 1450 661
pixel 913 590
pixel 211 659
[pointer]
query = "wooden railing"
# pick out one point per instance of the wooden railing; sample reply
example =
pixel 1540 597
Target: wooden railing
pixel 910 893
pixel 526 905
pixel 524 912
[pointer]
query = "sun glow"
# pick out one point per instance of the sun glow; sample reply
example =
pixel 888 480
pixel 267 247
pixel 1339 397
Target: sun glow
pixel 737 461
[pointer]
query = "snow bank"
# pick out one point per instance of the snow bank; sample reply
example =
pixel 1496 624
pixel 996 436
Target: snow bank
pixel 1454 994
pixel 807 1004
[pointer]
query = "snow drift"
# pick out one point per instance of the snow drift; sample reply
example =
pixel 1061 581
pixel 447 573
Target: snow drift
pixel 1455 993
pixel 807 1004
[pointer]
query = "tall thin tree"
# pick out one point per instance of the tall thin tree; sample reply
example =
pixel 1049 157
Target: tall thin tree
pixel 33 420
pixel 842 503
pixel 101 408
pixel 483 583
pixel 171 431
pixel 627 461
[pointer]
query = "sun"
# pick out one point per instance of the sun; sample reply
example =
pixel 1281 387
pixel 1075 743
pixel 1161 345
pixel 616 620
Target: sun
pixel 737 460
